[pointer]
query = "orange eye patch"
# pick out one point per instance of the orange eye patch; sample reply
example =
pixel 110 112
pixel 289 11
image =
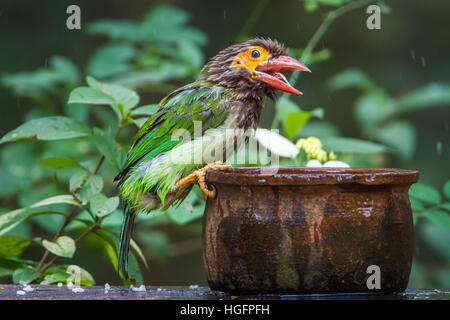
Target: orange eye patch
pixel 251 58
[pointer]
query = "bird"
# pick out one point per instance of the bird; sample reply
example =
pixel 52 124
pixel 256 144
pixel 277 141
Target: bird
pixel 159 170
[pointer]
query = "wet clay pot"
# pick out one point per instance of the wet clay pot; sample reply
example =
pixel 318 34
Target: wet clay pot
pixel 308 230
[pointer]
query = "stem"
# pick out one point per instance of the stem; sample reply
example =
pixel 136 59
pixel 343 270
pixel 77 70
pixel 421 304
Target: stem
pixel 329 18
pixel 74 209
pixel 254 16
pixel 93 228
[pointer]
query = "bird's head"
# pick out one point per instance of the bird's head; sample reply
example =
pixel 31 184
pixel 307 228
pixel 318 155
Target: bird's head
pixel 256 66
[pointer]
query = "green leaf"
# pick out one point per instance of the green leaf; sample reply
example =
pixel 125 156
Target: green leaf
pixel 7 267
pixel 416 205
pixel 11 219
pixel 25 275
pixel 60 162
pixel 36 84
pixel 111 59
pixel 75 273
pixel 352 78
pixel 284 107
pixel 317 112
pixel 101 205
pixel 113 220
pixel 63 247
pixel 61 274
pixel 291 116
pixel 138 252
pixel 446 206
pixel 66 67
pixel 92 186
pixel 341 144
pixel 320 129
pixel 117 30
pixel 191 54
pixel 312 5
pixel 439 217
pixel 140 115
pixel 134 270
pixel 447 189
pixel 167 24
pixel 107 147
pixel 434 94
pixel 373 107
pixel 11 246
pixel 110 246
pixel 50 128
pixel 146 110
pixel 123 98
pixel 89 96
pixel 319 56
pixel 58 276
pixel 78 179
pixel 166 16
pixel 77 111
pixel 425 193
pixel 294 122
pixel 187 211
pixel 399 135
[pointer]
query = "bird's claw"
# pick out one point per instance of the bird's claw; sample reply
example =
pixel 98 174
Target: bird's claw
pixel 199 175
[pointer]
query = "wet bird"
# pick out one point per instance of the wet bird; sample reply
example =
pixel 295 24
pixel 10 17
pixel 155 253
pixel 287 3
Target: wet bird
pixel 160 170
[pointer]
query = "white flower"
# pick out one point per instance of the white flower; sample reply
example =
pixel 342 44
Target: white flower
pixel 314 164
pixel 77 290
pixel 28 288
pixel 335 164
pixel 140 289
pixel 276 143
pixel 21 292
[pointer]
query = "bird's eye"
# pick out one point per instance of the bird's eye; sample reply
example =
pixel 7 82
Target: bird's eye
pixel 255 54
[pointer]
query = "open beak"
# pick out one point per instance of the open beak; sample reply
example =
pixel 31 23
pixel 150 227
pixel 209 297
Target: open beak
pixel 271 72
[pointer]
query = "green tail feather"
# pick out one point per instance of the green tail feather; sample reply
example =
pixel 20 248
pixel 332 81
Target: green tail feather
pixel 125 236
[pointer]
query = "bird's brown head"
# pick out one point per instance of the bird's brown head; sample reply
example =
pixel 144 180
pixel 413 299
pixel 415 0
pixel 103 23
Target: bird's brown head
pixel 255 66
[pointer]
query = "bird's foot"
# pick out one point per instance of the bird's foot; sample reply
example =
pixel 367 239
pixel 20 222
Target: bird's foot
pixel 199 175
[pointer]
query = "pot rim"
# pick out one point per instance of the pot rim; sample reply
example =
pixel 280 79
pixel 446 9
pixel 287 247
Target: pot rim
pixel 313 176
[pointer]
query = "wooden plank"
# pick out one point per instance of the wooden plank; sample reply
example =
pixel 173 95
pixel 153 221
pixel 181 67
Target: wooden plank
pixel 53 292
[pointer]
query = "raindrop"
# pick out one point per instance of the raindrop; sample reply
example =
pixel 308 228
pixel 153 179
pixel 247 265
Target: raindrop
pixel 224 14
pixel 413 55
pixel 439 148
pixel 424 63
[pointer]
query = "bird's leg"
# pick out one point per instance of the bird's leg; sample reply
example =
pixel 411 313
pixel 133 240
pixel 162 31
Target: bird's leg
pixel 198 176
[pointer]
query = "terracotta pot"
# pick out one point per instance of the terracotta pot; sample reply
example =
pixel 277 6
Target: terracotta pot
pixel 308 230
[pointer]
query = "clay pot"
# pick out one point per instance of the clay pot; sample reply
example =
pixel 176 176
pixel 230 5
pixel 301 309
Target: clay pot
pixel 308 230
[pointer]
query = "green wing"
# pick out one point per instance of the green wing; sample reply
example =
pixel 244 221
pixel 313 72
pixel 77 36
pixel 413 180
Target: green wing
pixel 199 101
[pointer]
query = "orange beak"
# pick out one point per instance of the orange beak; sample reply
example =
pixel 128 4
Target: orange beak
pixel 271 72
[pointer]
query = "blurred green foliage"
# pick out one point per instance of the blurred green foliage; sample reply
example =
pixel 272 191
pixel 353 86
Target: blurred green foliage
pixel 57 194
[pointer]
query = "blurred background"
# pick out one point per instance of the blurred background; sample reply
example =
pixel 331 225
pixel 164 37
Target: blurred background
pixel 389 86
